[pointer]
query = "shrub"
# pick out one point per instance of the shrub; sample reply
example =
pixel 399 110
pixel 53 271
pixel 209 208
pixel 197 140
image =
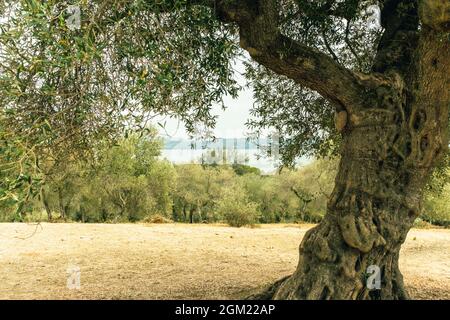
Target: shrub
pixel 241 215
pixel 437 207
pixel 236 208
pixel 156 218
pixel 421 224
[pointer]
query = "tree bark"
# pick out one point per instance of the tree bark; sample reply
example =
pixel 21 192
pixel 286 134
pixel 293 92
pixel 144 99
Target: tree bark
pixel 46 205
pixel 191 214
pixel 184 213
pixel 390 149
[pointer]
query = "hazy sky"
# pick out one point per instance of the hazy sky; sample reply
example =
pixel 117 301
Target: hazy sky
pixel 231 122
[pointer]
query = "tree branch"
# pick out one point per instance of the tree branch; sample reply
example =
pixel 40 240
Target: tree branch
pixel 258 22
pixel 400 20
pixel 435 14
pixel 311 69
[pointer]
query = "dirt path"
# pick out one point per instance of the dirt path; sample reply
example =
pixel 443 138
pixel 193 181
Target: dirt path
pixel 178 261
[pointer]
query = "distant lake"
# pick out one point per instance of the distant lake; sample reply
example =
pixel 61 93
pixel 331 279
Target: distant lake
pixel 221 151
pixel 226 151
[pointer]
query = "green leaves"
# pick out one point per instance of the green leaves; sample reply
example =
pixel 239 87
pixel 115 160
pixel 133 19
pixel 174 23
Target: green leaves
pixel 64 91
pixel 303 119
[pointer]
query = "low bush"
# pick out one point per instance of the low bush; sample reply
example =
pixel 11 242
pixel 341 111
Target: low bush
pixel 156 218
pixel 236 209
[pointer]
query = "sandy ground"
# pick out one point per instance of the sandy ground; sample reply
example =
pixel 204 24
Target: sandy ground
pixel 178 261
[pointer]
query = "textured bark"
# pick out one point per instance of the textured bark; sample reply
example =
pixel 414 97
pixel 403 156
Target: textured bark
pixel 44 201
pixel 62 207
pixel 394 125
pixel 390 148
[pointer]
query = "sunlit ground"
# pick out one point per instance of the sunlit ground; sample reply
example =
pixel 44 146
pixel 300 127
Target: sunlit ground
pixel 180 261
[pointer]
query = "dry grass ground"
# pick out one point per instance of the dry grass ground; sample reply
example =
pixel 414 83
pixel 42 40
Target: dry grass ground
pixel 179 261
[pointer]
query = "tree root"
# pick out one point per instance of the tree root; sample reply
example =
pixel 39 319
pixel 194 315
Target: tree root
pixel 268 292
pixel 399 292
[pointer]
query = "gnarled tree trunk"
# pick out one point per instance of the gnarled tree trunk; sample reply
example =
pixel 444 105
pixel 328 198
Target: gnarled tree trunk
pixel 394 123
pixel 390 149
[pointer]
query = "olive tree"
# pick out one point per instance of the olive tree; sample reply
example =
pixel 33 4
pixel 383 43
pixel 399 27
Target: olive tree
pixel 323 73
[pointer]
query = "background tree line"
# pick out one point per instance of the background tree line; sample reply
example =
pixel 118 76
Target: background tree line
pixel 130 182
